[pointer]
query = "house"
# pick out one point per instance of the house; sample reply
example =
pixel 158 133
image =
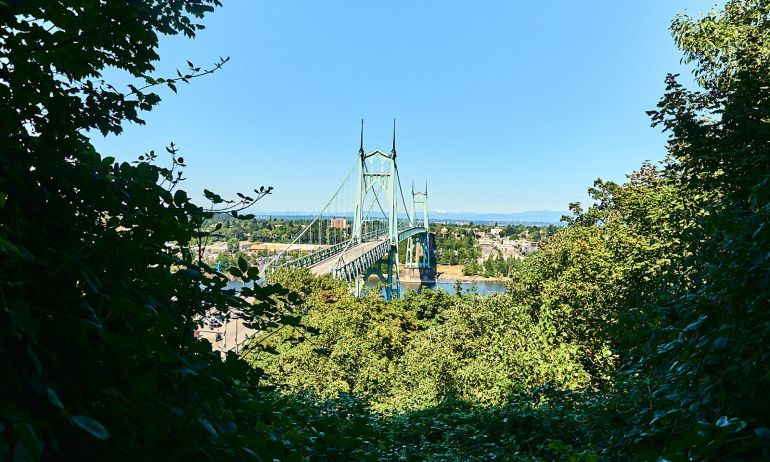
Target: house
pixel 486 242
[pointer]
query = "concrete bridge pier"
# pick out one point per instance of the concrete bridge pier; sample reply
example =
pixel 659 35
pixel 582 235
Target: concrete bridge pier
pixel 418 275
pixel 420 264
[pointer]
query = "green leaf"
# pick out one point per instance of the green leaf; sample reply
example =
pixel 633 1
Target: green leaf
pixel 207 425
pixel 33 356
pixel 215 198
pixel 189 273
pixel 723 421
pixel 762 432
pixel 720 342
pixel 29 442
pixel 90 425
pixel 54 398
pixel 180 197
pixel 243 265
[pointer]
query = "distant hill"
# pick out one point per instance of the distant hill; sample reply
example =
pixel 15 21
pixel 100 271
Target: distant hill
pixel 535 217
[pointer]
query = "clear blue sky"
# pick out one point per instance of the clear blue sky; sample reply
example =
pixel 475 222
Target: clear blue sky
pixel 503 105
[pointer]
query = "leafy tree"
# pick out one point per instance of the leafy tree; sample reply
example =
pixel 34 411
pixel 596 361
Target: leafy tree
pixel 415 352
pixel 712 396
pixel 100 291
pixel 639 331
pixel 233 245
pixel 596 277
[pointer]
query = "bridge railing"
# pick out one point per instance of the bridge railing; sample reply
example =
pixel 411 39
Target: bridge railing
pixel 352 269
pixel 322 254
pixel 310 259
pixel 373 234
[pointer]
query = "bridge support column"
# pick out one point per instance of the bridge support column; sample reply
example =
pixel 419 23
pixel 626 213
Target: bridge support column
pixel 389 279
pixel 420 265
pixel 393 288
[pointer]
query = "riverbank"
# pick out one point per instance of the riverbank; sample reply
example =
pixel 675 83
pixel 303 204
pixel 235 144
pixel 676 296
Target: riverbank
pixel 455 273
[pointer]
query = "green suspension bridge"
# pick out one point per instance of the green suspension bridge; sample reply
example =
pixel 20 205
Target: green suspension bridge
pixel 356 246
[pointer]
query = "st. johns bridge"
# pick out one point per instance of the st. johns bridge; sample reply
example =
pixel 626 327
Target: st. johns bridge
pixel 356 246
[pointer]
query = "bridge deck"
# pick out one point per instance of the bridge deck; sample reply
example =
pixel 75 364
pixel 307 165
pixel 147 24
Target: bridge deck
pixel 325 266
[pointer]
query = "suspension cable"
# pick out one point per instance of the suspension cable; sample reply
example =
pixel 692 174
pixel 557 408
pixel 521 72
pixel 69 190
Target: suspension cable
pixel 310 226
pixel 403 200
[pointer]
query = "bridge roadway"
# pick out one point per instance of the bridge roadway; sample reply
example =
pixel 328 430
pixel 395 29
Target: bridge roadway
pixel 351 254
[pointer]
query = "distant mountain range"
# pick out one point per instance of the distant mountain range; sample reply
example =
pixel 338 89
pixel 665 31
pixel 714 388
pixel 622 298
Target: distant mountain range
pixel 533 216
pixel 528 217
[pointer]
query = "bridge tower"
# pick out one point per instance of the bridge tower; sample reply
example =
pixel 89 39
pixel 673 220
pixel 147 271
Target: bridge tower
pixel 371 246
pixel 378 170
pixel 421 249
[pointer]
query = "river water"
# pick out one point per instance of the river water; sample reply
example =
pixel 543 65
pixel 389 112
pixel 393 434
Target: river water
pixel 479 287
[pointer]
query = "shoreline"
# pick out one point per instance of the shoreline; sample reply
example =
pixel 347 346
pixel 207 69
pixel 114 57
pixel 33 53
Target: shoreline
pixel 475 278
pixel 451 273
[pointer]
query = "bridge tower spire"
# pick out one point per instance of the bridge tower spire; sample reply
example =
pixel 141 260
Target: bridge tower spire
pixel 371 177
pixel 420 248
pixel 393 218
pixel 425 207
pixel 378 181
pixel 361 149
pixel 358 218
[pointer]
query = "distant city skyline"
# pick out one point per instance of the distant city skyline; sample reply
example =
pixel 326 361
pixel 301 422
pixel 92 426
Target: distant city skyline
pixel 503 107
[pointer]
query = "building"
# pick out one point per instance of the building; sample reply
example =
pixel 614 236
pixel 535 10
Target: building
pixel 486 242
pixel 339 223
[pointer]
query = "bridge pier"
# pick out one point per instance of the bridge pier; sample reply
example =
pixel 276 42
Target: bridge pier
pixel 418 275
pixel 420 265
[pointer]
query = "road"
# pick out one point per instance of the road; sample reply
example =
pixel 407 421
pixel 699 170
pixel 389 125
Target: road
pixel 325 266
pixel 233 334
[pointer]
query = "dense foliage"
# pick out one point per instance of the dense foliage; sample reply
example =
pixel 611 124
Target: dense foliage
pixel 457 246
pixel 658 291
pixel 639 331
pixel 417 351
pixel 98 308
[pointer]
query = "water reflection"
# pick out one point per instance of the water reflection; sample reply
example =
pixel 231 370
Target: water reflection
pixel 478 287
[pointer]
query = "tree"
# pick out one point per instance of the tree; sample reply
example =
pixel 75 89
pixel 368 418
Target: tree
pixel 101 278
pixel 233 245
pixel 712 394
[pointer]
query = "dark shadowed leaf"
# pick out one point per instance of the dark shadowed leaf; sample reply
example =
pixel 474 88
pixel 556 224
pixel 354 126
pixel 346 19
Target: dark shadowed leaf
pixel 91 426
